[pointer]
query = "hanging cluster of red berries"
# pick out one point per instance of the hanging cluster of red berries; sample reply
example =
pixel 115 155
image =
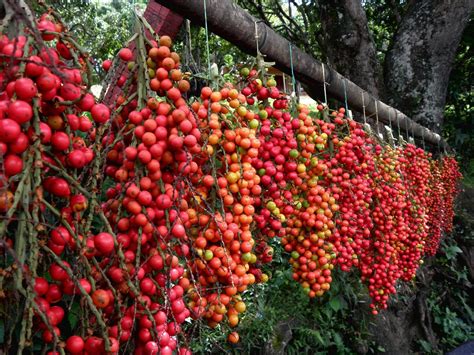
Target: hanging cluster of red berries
pixel 443 188
pixel 335 197
pixel 157 212
pixel 48 123
pixel 182 203
pixel 450 176
pixel 385 210
pixel 293 205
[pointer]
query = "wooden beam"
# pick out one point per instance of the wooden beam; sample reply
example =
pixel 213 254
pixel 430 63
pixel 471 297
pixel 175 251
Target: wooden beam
pixel 237 26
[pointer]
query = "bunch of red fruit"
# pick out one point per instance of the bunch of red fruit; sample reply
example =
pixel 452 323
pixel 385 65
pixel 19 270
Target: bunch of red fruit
pixel 48 124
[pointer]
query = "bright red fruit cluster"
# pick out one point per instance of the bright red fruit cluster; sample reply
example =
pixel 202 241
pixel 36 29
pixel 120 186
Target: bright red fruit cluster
pixel 158 211
pixel 48 123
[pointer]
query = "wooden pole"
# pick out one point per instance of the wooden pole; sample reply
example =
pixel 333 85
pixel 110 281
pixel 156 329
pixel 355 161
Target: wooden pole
pixel 237 26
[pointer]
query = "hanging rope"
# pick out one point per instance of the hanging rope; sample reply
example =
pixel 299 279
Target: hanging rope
pixel 292 70
pixel 345 96
pixel 190 62
pixel 259 57
pixel 398 125
pixel 324 85
pixel 187 40
pixel 423 138
pixel 439 147
pixel 407 131
pixel 377 118
pixel 389 130
pixel 363 108
pixel 207 41
pixel 390 121
pixel 256 37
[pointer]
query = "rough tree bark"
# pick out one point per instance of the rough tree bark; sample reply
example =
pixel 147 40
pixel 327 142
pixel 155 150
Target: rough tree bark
pixel 348 44
pixel 418 65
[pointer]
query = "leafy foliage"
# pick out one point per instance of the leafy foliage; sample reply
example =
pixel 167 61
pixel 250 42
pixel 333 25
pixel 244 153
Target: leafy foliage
pixel 450 299
pixel 102 27
pixel 292 19
pixel 383 21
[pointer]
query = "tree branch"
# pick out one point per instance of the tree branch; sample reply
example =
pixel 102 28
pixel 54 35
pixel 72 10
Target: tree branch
pixel 258 8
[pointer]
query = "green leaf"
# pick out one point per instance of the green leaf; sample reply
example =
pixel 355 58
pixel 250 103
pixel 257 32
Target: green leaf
pixel 452 251
pixel 425 345
pixel 318 336
pixel 335 304
pixel 73 315
pixel 338 340
pixel 2 331
pixel 381 349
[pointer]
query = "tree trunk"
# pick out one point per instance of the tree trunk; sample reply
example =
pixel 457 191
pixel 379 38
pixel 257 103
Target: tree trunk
pixel 418 65
pixel 348 44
